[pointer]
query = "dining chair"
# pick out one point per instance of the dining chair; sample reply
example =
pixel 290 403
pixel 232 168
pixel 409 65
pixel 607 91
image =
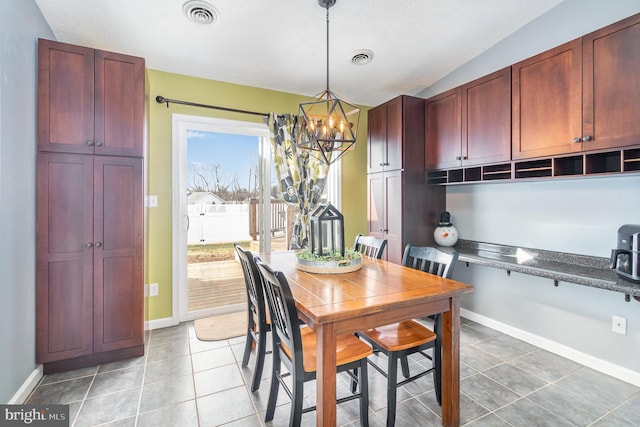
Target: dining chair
pixel 400 340
pixel 258 323
pixel 294 346
pixel 370 246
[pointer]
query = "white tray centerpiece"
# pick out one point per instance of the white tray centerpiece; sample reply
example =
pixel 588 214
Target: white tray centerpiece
pixel 331 262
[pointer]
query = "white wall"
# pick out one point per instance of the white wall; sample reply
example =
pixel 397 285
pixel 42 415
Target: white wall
pixel 575 215
pixel 21 23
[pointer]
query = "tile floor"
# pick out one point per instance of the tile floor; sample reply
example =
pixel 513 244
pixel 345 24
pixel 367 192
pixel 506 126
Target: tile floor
pixel 184 382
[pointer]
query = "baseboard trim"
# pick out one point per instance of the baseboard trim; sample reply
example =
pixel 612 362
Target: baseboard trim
pixel 27 387
pixel 616 371
pixel 160 323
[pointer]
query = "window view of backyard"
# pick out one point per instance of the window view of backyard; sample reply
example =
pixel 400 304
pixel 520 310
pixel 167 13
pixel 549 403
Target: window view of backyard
pixel 222 205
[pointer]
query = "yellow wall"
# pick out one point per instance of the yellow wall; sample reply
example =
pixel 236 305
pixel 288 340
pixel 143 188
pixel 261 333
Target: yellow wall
pixel 175 86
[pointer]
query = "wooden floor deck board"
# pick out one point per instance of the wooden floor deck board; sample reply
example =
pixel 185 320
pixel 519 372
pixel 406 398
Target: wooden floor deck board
pixel 218 284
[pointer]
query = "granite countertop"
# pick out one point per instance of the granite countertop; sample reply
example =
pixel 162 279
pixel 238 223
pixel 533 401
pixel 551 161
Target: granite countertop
pixel 558 266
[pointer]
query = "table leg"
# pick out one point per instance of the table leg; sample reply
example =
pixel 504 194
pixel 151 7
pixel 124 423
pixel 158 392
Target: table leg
pixel 451 365
pixel 326 375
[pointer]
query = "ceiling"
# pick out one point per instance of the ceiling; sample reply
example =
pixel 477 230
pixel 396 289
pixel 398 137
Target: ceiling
pixel 281 44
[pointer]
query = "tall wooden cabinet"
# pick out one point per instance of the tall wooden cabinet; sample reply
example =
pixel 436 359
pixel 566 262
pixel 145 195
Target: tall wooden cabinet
pixel 89 296
pixel 401 208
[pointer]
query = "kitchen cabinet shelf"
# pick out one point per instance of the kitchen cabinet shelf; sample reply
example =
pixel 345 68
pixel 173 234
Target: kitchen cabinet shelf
pixel 631 161
pixel 612 162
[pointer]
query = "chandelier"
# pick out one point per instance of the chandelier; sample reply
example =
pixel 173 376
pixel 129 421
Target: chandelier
pixel 328 125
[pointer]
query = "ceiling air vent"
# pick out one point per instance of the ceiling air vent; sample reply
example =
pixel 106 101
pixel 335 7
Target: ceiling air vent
pixel 362 57
pixel 200 12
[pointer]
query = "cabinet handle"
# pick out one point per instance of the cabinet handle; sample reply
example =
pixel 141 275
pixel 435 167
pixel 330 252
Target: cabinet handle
pixel 465 158
pixel 381 164
pixel 88 245
pixel 98 244
pixel 458 158
pixel 98 143
pixel 586 138
pixel 577 139
pixel 90 143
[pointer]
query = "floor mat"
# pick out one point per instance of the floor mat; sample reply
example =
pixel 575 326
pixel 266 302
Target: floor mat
pixel 221 327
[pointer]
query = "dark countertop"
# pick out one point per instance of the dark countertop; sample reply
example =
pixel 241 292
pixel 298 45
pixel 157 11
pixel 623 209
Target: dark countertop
pixel 558 266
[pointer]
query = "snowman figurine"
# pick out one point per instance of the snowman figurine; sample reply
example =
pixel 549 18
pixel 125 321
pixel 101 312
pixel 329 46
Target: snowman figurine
pixel 445 233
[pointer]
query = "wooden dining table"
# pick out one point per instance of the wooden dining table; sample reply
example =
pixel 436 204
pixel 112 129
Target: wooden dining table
pixel 378 294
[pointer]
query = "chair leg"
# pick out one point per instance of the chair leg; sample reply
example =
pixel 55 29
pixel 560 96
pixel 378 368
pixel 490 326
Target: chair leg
pixel 260 354
pixel 248 345
pixel 392 380
pixel 363 379
pixel 296 405
pixel 404 363
pixel 275 387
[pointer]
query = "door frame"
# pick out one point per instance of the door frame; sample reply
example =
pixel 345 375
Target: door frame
pixel 180 124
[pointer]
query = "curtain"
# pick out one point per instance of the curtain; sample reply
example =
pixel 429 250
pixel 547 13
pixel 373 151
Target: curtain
pixel 301 175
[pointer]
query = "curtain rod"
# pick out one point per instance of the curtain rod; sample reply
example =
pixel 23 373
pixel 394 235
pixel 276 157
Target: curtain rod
pixel 162 99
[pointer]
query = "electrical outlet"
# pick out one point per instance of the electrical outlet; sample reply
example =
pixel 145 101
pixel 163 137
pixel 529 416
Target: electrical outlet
pixel 619 325
pixel 153 290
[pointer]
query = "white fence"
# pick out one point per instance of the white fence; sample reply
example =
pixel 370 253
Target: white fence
pixel 217 223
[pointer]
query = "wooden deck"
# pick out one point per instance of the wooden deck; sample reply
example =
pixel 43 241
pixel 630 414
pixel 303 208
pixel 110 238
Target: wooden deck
pixel 218 284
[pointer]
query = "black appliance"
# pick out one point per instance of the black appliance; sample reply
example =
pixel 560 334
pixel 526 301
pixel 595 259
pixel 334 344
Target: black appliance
pixel 626 258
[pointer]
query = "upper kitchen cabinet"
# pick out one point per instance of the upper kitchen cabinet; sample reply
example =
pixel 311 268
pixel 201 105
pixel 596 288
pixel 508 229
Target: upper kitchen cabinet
pixel 393 127
pixel 580 96
pixel 611 90
pixel 471 124
pixel 547 110
pixel 89 101
pixel 443 130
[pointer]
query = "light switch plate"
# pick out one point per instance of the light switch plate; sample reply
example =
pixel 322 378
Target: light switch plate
pixel 152 201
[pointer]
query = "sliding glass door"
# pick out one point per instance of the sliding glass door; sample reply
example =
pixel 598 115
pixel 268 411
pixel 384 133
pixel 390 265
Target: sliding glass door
pixel 222 195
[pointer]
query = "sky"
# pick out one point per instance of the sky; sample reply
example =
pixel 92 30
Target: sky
pixel 237 154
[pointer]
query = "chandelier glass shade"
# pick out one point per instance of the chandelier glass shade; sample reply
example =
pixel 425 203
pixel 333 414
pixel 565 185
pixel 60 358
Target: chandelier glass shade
pixel 327 125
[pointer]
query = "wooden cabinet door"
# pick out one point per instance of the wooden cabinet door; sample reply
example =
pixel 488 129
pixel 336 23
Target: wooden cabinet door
pixel 385 211
pixel 612 85
pixel 376 220
pixel 377 139
pixel 486 119
pixel 64 303
pixel 119 104
pixel 385 132
pixel 118 280
pixel 395 133
pixel 443 130
pixel 65 97
pixel 394 216
pixel 547 103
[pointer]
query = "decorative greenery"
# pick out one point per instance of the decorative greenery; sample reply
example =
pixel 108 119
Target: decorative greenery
pixel 349 254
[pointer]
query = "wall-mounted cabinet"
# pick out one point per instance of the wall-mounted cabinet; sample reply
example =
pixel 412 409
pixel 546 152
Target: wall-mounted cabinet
pixel 471 124
pixel 574 112
pixel 579 96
